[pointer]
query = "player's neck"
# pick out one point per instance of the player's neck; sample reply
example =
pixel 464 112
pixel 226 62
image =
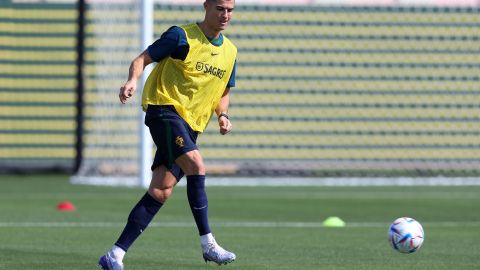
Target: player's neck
pixel 208 32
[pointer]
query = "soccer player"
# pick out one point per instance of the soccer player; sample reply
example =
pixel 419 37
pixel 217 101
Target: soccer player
pixel 195 70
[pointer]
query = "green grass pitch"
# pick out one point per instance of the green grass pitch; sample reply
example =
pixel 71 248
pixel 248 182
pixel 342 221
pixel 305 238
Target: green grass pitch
pixel 267 227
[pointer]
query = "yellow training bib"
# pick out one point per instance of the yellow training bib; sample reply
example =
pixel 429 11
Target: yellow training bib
pixel 193 86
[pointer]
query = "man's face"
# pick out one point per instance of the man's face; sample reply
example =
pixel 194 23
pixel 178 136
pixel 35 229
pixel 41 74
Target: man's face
pixel 218 13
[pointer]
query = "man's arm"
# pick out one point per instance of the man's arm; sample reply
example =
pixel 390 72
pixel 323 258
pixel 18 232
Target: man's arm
pixel 222 113
pixel 136 69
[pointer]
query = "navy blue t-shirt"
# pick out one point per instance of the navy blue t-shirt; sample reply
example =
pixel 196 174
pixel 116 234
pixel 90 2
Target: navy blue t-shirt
pixel 174 43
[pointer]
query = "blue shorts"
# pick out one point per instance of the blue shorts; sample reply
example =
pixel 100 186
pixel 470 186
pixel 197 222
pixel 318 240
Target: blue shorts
pixel 172 136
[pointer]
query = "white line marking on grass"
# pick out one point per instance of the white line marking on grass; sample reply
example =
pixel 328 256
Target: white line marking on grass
pixel 247 224
pixel 296 181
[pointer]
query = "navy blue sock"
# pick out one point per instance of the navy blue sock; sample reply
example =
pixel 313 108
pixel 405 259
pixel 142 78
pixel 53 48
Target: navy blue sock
pixel 197 198
pixel 138 220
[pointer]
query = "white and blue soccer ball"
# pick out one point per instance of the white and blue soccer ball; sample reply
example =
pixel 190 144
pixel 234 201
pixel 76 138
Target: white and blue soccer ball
pixel 406 235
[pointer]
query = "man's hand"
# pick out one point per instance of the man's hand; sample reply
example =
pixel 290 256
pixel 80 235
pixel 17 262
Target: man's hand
pixel 225 125
pixel 127 91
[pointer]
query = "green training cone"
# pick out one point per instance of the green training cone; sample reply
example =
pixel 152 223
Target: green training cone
pixel 333 222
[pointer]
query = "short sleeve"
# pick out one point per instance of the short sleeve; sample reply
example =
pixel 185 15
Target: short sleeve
pixel 231 81
pixel 168 44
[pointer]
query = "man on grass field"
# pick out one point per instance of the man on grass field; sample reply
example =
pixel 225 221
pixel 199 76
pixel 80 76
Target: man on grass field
pixel 194 73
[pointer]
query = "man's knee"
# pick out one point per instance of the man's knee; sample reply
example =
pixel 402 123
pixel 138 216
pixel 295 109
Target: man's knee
pixel 191 163
pixel 162 184
pixel 195 169
pixel 160 194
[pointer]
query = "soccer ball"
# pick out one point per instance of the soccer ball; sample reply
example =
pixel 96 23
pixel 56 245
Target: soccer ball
pixel 406 235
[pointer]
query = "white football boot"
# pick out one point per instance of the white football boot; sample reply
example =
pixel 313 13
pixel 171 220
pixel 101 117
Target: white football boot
pixel 108 262
pixel 215 253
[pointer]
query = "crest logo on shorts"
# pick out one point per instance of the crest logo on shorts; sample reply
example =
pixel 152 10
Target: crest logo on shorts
pixel 179 141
